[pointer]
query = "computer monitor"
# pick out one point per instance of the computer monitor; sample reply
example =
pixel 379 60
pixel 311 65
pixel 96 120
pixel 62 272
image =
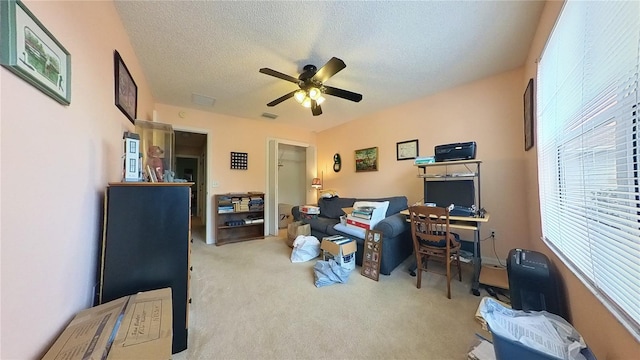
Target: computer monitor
pixel 444 193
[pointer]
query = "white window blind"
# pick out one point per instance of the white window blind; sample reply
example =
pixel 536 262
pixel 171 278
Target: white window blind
pixel 587 135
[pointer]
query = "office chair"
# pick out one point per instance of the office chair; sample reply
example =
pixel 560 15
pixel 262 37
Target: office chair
pixel 433 241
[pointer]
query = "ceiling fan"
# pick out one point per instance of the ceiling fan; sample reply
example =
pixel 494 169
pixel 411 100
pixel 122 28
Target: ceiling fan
pixel 311 83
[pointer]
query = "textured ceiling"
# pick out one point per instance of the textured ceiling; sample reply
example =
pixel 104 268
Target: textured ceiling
pixel 395 51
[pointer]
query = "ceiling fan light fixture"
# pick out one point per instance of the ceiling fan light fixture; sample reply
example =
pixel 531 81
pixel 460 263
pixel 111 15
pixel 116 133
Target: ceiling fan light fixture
pixel 307 102
pixel 314 93
pixel 320 100
pixel 299 96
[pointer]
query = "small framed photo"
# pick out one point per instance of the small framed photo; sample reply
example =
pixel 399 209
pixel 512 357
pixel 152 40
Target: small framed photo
pixel 30 51
pixel 239 160
pixel 407 150
pixel 126 90
pixel 528 116
pixel 367 159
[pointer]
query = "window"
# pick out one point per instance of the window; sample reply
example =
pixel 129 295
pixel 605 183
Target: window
pixel 587 110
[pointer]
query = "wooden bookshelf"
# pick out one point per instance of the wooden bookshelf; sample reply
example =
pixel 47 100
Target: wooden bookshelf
pixel 238 217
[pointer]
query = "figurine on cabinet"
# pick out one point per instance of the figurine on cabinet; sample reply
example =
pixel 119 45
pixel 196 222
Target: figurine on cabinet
pixel 154 161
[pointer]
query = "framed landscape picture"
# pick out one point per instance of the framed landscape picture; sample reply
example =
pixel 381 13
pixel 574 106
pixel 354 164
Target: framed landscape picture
pixel 367 159
pixel 30 51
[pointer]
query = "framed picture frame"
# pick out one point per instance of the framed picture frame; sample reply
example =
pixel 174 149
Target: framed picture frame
pixel 407 150
pixel 239 160
pixel 30 51
pixel 528 116
pixel 126 90
pixel 372 256
pixel 367 159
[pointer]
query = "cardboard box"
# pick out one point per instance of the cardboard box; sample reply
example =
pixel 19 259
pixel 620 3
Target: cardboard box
pixel 132 327
pixel 310 209
pixel 340 249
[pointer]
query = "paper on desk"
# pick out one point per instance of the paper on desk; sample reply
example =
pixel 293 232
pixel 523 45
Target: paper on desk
pixel 539 330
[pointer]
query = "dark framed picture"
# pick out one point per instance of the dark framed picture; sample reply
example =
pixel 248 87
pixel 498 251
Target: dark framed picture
pixel 407 150
pixel 528 116
pixel 367 159
pixel 239 160
pixel 126 90
pixel 30 51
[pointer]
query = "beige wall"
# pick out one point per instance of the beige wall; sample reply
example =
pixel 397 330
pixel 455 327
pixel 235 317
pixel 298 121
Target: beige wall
pixel 487 111
pixel 228 133
pixel 56 162
pixel 605 335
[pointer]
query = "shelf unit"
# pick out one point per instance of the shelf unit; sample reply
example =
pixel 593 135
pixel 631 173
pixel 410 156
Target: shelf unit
pixel 452 171
pixel 234 226
pixel 456 171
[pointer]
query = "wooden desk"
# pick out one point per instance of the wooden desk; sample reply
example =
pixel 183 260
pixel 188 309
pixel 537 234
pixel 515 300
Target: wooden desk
pixel 473 224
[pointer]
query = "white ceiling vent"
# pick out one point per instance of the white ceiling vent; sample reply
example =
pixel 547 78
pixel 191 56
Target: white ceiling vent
pixel 202 100
pixel 269 115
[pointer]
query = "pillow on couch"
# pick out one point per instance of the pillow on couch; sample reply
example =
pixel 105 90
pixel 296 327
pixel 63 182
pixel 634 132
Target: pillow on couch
pixel 379 213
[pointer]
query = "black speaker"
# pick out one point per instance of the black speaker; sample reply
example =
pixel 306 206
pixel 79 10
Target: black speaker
pixel 533 283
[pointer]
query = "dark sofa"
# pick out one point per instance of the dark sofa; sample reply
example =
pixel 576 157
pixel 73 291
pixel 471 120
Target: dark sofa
pixel 397 244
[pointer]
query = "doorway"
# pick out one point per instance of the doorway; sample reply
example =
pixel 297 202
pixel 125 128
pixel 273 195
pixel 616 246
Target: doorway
pixel 191 150
pixel 291 166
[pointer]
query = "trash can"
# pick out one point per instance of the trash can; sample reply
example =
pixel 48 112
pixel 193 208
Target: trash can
pixel 531 335
pixel 506 349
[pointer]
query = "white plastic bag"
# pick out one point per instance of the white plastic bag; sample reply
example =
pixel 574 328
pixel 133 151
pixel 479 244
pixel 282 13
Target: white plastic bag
pixel 305 248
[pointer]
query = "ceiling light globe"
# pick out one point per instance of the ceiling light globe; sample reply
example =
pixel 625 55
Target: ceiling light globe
pixel 320 100
pixel 314 93
pixel 307 102
pixel 299 96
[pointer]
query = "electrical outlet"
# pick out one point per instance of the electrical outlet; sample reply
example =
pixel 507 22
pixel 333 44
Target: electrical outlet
pixel 493 233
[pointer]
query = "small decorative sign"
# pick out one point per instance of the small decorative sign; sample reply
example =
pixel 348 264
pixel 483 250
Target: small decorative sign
pixel 239 160
pixel 372 254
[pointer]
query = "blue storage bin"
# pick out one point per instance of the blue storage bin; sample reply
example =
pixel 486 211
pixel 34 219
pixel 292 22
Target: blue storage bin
pixel 507 349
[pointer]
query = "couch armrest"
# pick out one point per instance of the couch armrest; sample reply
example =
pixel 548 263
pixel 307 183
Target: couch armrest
pixel 295 211
pixel 392 226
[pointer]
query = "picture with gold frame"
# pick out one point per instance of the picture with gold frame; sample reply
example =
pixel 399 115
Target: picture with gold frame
pixel 367 159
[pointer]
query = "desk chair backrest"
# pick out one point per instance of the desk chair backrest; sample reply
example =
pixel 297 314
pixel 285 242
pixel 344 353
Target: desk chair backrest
pixel 432 238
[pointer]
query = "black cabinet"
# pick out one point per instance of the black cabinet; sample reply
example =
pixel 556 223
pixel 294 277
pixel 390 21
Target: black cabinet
pixel 146 245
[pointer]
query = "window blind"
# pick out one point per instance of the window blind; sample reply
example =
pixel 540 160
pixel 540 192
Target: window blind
pixel 587 134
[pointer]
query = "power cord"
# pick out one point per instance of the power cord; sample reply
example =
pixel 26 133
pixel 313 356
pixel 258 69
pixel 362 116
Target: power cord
pixel 495 252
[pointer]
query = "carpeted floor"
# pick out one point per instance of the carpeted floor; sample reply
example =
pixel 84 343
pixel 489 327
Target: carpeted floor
pixel 251 302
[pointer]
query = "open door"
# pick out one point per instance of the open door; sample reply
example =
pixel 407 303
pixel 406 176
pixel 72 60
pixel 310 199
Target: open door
pixel 271 197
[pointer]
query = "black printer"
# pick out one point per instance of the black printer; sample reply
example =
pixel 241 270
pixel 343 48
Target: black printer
pixel 455 151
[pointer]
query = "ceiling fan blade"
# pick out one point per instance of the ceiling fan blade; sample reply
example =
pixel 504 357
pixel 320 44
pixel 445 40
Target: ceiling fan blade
pixel 332 67
pixel 281 98
pixel 279 75
pixel 315 108
pixel 345 94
